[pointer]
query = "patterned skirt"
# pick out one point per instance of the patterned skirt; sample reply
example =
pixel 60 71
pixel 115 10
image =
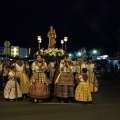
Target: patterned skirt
pixel 65 86
pixel 39 90
pixel 82 92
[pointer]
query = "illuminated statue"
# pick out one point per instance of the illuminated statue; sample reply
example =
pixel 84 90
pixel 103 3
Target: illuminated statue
pixel 51 35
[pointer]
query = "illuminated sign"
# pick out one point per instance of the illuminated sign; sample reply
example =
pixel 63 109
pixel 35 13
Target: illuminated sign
pixel 15 51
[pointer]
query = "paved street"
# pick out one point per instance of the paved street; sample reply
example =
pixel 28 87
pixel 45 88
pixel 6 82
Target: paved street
pixel 106 105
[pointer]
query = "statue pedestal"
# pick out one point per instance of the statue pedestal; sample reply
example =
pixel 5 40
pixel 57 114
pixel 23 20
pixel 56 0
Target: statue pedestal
pixel 51 54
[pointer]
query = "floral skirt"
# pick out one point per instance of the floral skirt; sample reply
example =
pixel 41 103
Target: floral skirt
pixel 39 90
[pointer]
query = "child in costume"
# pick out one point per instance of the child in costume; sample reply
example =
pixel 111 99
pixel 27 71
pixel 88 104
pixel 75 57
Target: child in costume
pixel 82 92
pixel 12 88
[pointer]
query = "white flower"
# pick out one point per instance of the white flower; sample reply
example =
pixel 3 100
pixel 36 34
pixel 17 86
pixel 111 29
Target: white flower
pixel 41 50
pixel 46 51
pixel 52 52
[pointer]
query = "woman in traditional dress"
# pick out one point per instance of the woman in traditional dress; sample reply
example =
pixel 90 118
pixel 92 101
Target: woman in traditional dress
pixel 79 66
pixel 91 73
pixel 21 76
pixel 39 87
pixel 65 80
pixel 12 88
pixel 82 92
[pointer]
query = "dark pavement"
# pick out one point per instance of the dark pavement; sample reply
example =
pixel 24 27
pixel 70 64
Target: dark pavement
pixel 106 105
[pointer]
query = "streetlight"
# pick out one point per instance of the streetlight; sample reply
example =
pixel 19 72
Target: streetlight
pixel 95 52
pixel 62 42
pixel 79 54
pixel 39 41
pixel 65 39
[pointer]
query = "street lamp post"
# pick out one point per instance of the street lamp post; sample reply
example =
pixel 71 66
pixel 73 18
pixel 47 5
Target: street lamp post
pixel 62 42
pixel 65 40
pixel 39 41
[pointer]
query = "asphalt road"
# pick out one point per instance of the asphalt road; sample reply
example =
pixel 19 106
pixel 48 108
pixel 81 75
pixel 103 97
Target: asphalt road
pixel 106 105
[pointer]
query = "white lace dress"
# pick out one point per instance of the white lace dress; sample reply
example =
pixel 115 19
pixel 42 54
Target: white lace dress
pixel 12 88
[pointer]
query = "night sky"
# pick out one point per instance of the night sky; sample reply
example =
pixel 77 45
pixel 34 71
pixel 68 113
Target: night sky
pixel 87 23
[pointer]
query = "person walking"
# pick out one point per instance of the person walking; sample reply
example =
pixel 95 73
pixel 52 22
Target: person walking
pixel 65 81
pixel 21 76
pixel 79 65
pixel 39 83
pixel 93 82
pixel 82 92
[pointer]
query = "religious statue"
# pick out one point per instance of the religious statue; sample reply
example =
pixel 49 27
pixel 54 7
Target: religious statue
pixel 51 35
